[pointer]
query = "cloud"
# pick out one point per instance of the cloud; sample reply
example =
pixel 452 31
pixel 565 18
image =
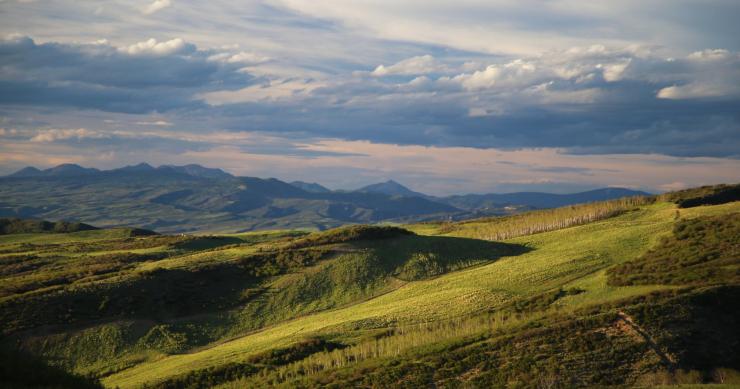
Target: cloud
pixel 710 55
pixel 273 90
pixel 152 47
pixel 690 91
pixel 614 72
pixel 158 123
pixel 143 77
pixel 586 100
pixel 711 73
pixel 577 65
pixel 592 99
pixel 243 57
pixel 155 6
pixel 53 135
pixel 515 72
pixel 530 27
pixel 423 64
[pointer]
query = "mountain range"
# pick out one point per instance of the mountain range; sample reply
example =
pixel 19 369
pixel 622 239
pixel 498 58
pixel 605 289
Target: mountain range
pixel 195 198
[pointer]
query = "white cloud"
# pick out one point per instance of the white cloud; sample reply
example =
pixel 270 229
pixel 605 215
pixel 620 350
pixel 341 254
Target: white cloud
pixel 155 6
pixel 614 72
pixel 579 73
pixel 158 123
pixel 15 37
pixel 274 90
pixel 246 57
pixel 692 91
pixel 54 134
pixel 420 82
pixel 152 47
pixel 712 73
pixel 710 55
pixel 423 64
pixel 243 57
pixel 519 72
pixel 481 79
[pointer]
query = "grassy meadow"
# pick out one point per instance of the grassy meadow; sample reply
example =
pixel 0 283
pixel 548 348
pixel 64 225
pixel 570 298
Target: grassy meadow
pixel 552 298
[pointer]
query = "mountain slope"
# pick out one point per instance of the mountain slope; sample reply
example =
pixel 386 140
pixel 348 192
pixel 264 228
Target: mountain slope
pixel 28 171
pixel 194 198
pixel 174 199
pixel 311 187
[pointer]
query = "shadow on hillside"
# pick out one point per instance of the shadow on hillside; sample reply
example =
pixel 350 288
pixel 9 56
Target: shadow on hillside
pixel 417 257
pixel 206 243
pixel 159 294
pixel 21 370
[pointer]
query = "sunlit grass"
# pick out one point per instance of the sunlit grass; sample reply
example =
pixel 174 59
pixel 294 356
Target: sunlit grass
pixel 357 288
pixel 571 257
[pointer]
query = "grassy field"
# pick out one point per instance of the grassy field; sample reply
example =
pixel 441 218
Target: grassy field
pixel 574 256
pixel 162 306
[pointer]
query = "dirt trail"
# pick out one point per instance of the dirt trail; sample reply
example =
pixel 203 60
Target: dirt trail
pixel 667 359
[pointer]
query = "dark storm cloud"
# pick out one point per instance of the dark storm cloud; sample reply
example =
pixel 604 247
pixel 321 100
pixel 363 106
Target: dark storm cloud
pixel 148 76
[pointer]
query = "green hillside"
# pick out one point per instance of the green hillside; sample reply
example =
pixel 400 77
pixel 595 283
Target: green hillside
pixel 628 292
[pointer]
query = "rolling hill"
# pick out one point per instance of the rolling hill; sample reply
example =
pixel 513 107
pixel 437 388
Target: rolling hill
pixel 631 292
pixel 195 198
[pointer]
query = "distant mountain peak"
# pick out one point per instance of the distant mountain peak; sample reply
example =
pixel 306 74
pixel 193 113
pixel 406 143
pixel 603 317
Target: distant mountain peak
pixel 28 171
pixel 68 169
pixel 65 169
pixel 72 169
pixel 617 189
pixel 198 171
pixel 391 188
pixel 141 167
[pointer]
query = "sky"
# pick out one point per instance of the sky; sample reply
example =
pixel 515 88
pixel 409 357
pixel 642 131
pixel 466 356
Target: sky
pixel 446 97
